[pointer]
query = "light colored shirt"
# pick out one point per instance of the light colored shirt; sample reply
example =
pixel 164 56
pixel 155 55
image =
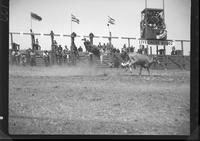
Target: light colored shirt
pixel 13 53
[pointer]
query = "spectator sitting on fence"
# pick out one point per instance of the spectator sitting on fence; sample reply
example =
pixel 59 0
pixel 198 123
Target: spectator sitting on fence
pixel 174 52
pixel 80 49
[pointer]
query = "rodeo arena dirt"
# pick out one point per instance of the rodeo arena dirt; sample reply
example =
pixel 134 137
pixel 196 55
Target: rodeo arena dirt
pixel 101 90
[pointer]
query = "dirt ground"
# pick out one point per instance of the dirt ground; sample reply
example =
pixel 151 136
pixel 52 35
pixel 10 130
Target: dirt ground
pixel 86 100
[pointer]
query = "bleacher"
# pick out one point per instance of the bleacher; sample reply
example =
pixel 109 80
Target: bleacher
pixel 166 61
pixel 39 61
pixel 172 62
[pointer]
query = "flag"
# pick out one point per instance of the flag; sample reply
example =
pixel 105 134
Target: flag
pixel 35 16
pixel 74 19
pixel 111 20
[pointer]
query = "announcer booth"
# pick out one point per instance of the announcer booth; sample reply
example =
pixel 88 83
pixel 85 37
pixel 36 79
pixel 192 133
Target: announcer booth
pixel 152 25
pixel 153 33
pixel 153 30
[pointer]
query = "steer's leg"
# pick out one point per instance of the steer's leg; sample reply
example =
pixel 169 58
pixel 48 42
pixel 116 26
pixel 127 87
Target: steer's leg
pixel 148 71
pixel 140 71
pixel 130 68
pixel 134 66
pixel 126 68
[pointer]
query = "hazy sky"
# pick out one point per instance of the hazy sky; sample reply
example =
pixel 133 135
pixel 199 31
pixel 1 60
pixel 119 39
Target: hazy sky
pixel 56 16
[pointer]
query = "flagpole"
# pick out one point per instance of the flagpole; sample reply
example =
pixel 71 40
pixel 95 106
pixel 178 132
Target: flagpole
pixel 164 11
pixel 71 23
pixel 31 21
pixel 108 27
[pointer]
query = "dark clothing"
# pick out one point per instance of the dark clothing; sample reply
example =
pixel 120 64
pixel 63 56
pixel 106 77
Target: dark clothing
pixel 46 61
pixel 75 49
pixel 80 49
pixel 60 48
pixel 13 58
pixel 17 56
pixel 59 57
pixel 23 59
pixel 173 52
pixel 33 59
pixel 65 56
pixel 28 57
pixel 132 49
pixel 140 51
pixel 145 51
pixel 162 51
pixel 116 60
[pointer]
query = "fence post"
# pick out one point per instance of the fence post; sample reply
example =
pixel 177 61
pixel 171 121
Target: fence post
pixel 156 49
pixel 182 55
pixel 150 50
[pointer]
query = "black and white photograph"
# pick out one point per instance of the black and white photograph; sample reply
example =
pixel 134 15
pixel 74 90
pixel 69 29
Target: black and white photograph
pixel 99 67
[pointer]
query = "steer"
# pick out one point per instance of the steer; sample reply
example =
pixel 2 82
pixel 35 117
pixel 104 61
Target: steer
pixel 142 60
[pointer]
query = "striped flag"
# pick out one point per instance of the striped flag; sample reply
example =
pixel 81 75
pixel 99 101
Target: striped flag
pixel 111 20
pixel 35 16
pixel 74 19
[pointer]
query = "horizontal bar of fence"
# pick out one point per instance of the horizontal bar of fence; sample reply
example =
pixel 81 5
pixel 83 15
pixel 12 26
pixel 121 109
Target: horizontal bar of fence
pixel 182 40
pixel 94 36
pixel 67 35
pixel 110 37
pixel 89 36
pixel 128 38
pixel 14 33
